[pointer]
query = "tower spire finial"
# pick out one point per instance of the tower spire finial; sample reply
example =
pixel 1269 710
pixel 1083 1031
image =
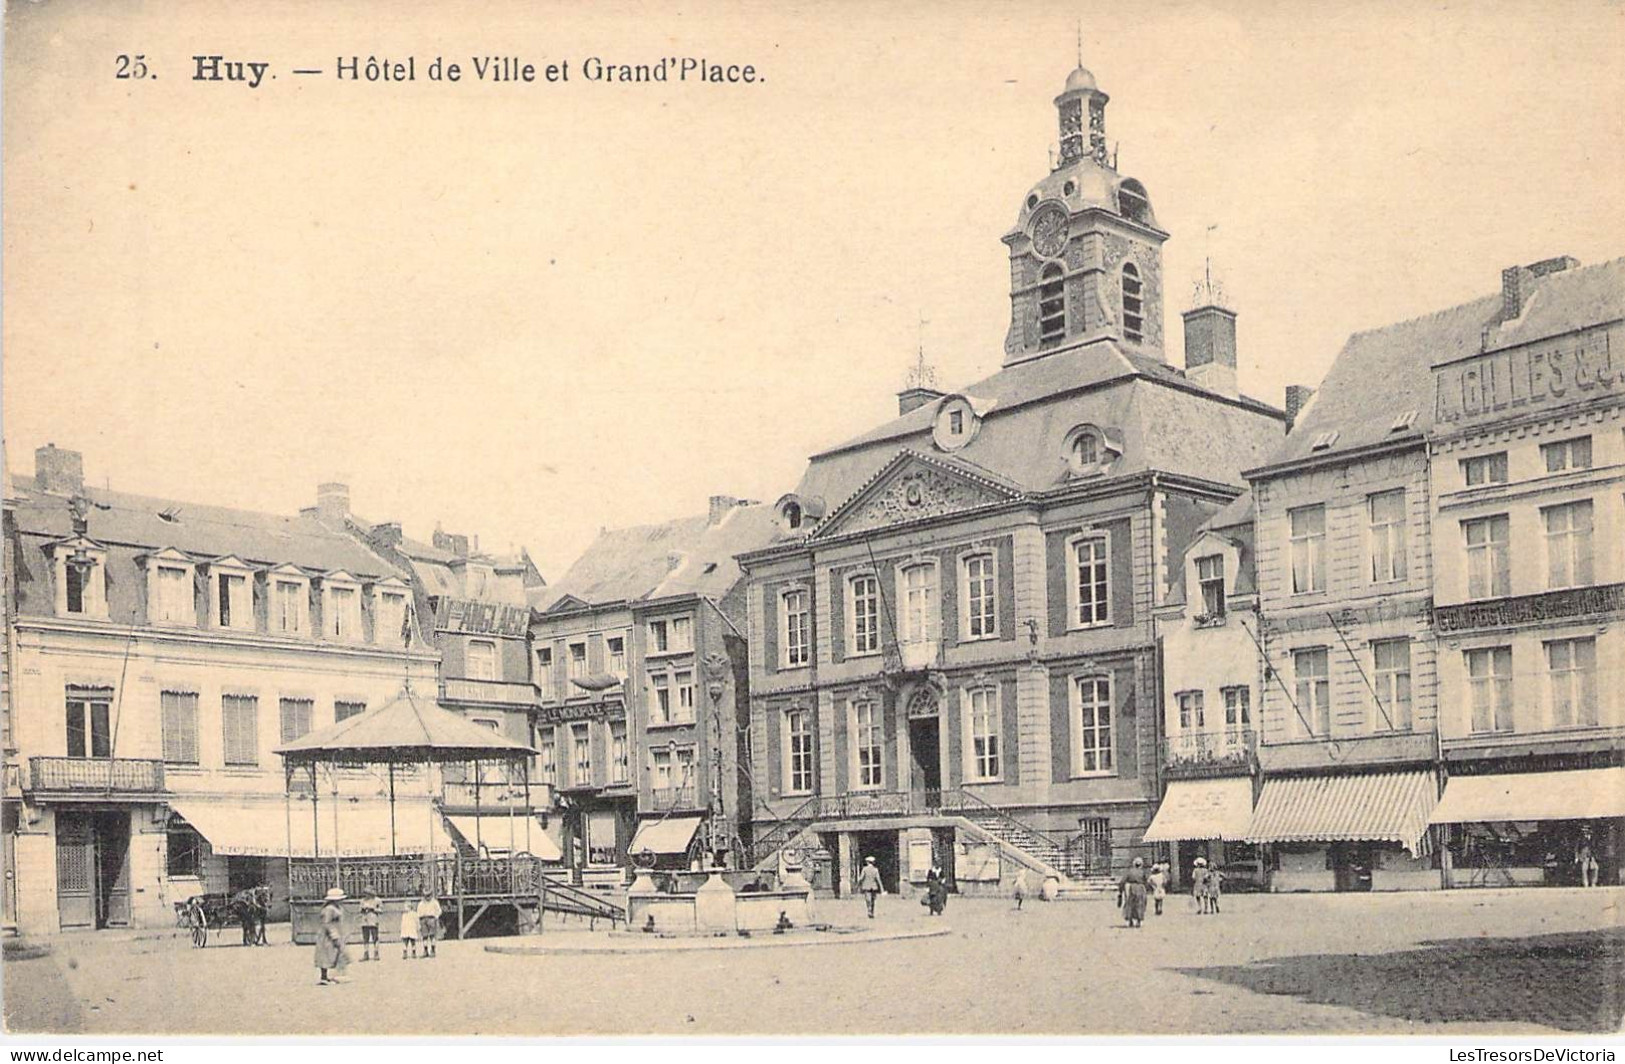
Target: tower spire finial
pixel 1080 40
pixel 922 375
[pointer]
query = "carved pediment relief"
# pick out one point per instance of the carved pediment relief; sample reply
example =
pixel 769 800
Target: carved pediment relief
pixel 912 490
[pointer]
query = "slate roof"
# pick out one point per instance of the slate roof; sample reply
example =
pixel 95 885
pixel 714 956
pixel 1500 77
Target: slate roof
pixel 688 555
pixel 1166 423
pixel 120 518
pixel 1381 373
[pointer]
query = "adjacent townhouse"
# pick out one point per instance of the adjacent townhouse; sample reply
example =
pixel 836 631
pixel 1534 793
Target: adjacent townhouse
pixel 638 658
pixel 952 652
pixel 162 649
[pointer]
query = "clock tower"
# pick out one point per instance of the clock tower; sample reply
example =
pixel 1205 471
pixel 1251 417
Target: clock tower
pixel 1086 251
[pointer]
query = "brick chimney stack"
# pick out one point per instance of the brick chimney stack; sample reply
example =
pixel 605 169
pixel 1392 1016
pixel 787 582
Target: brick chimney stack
pixel 1210 349
pixel 388 534
pixel 333 503
pixel 915 397
pixel 720 506
pixel 1297 397
pixel 59 471
pixel 1518 283
pixel 447 541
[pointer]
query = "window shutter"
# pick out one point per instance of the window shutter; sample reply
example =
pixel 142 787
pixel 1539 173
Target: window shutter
pixel 843 750
pixel 837 615
pixel 1006 561
pixel 1057 573
pixel 1125 724
pixel 949 572
pixel 1060 720
pixel 770 626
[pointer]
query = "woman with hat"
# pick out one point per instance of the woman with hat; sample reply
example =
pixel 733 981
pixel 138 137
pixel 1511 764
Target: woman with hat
pixel 1199 875
pixel 331 952
pixel 1131 893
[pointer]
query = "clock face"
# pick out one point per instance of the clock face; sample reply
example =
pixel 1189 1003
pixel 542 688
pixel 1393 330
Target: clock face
pixel 1049 228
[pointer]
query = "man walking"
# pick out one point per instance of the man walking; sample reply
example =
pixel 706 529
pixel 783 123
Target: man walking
pixel 869 884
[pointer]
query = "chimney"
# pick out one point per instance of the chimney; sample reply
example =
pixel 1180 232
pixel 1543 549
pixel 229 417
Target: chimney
pixel 333 503
pixel 387 534
pixel 446 541
pixel 720 506
pixel 915 397
pixel 1297 397
pixel 59 471
pixel 1210 349
pixel 1518 283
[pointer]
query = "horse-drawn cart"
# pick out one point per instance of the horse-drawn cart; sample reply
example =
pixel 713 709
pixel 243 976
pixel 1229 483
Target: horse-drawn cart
pixel 246 909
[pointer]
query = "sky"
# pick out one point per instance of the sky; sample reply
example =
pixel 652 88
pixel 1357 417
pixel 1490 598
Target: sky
pixel 530 311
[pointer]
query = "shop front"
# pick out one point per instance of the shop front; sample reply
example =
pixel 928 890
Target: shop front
pixel 1350 832
pixel 1558 828
pixel 1208 818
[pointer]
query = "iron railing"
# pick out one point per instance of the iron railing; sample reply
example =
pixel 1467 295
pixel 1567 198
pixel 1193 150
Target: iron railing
pixel 116 775
pixel 665 798
pixel 1202 749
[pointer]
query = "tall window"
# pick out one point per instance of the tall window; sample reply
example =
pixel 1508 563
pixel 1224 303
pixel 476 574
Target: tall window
pixel 548 744
pixel 346 710
pixel 175 596
pixel 1238 712
pixel 659 699
pixel 1387 538
pixel 1210 576
pixel 794 630
pixel 390 627
pixel 581 749
pixel 616 645
pixel 578 661
pixel 344 603
pixel 1092 723
pixel 1051 307
pixel 1567 454
pixel 1191 715
pixel 920 604
pixel 986 730
pixel 865 615
pixel 682 633
pixel 1568 544
pixel 1391 660
pixel 482 660
pixel 544 670
pixel 867 741
pixel 90 732
pixel 240 728
pixel 1484 469
pixel 1308 530
pixel 659 637
pixel 1489 559
pixel 296 714
pixel 287 606
pixel 1091 581
pixel 1571 672
pixel 684 682
pixel 1489 688
pixel 1133 304
pixel 75 578
pixel 618 755
pixel 981 597
pixel 232 606
pixel 184 851
pixel 179 710
pixel 1314 693
pixel 660 770
pixel 798 751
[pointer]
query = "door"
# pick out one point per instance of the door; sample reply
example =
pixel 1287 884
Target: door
pixel 75 871
pixel 112 869
pixel 925 753
pixel 942 851
pixel 1351 866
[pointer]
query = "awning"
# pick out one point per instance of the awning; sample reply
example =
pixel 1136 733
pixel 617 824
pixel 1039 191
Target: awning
pixel 671 835
pixel 493 831
pixel 1204 809
pixel 1578 794
pixel 1369 807
pixel 245 827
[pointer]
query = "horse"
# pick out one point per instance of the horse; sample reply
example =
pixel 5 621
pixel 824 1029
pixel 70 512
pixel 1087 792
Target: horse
pixel 251 907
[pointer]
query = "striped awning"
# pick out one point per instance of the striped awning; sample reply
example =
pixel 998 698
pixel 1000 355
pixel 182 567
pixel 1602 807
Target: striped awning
pixel 1204 809
pixel 495 832
pixel 248 827
pixel 1575 794
pixel 1368 807
pixel 668 836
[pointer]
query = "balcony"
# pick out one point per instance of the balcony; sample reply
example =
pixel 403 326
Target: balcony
pixel 922 654
pixel 665 798
pixel 90 776
pixel 487 692
pixel 1209 752
pixel 495 795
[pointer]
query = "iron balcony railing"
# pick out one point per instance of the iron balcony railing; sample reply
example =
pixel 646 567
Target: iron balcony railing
pixel 114 775
pixel 490 692
pixel 674 798
pixel 1229 746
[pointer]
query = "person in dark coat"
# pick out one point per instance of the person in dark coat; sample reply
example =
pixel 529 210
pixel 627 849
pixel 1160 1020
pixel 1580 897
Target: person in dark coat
pixel 936 890
pixel 1131 893
pixel 331 953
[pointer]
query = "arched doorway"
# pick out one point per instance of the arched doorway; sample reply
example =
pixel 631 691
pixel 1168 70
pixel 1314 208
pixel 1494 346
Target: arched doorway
pixel 925 742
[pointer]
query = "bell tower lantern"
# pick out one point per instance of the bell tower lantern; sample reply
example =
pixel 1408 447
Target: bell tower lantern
pixel 1086 251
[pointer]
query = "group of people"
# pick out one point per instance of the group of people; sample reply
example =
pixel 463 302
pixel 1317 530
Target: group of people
pixel 420 922
pixel 1141 884
pixel 936 887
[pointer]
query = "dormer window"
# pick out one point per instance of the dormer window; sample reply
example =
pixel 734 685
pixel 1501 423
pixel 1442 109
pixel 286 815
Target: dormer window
pixel 1090 450
pixel 792 515
pixel 1133 304
pixel 1210 580
pixel 389 625
pixel 81 579
pixel 170 599
pixel 341 608
pixel 1086 451
pixel 290 601
pixel 956 424
pixel 231 595
pixel 1051 307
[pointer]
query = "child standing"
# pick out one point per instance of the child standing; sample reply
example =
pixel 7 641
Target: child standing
pixel 429 923
pixel 409 930
pixel 1158 882
pixel 370 905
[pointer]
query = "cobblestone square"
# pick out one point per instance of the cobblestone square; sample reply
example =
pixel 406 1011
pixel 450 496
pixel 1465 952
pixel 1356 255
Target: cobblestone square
pixel 1460 963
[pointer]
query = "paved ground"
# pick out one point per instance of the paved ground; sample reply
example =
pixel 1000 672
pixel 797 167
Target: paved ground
pixel 1462 962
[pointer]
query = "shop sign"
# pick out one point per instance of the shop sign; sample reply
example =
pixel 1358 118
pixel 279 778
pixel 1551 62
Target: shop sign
pixel 481 618
pixel 1507 383
pixel 590 711
pixel 1572 604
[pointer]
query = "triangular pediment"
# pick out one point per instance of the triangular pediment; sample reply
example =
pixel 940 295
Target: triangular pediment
pixel 915 487
pixel 567 604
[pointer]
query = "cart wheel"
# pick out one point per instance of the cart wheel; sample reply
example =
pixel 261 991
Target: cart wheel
pixel 200 935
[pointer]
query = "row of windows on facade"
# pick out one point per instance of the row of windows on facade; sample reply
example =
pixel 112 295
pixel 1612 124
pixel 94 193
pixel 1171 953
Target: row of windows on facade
pixel 229 603
pixel 1052 305
pixel 1569 680
pixel 671 767
pixel 1486 542
pixel 982 734
pixel 90 733
pixel 918 595
pixel 673 635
